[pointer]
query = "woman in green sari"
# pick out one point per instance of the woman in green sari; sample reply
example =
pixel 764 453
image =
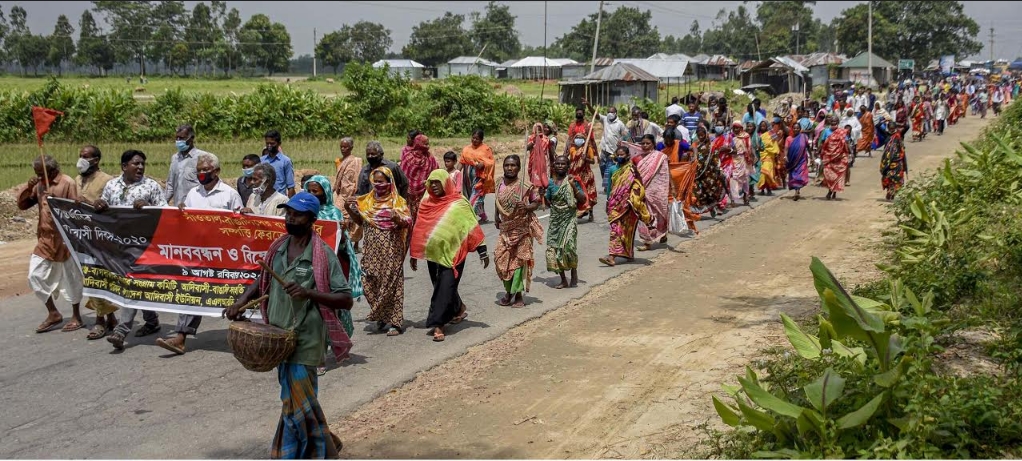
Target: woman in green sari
pixel 319 186
pixel 563 195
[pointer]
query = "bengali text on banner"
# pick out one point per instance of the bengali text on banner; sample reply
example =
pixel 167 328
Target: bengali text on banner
pixel 164 259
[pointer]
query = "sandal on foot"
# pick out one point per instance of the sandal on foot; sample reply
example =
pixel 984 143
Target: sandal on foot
pixel 173 347
pixel 73 325
pixel 607 261
pixel 117 340
pixel 438 336
pixel 97 332
pixel 460 318
pixel 504 301
pixel 147 330
pixel 394 331
pixel 518 305
pixel 48 325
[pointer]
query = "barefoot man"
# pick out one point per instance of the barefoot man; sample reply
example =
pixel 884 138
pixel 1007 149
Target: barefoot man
pixel 51 269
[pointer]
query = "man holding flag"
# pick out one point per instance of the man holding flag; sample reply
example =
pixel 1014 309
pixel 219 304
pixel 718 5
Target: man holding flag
pixel 51 268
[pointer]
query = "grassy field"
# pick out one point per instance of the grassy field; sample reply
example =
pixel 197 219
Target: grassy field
pixel 16 163
pixel 239 85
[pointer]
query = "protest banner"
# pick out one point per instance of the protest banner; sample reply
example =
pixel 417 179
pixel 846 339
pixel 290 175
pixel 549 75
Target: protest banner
pixel 164 259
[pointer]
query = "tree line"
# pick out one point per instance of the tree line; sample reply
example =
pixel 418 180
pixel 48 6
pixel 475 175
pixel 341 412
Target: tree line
pixel 212 39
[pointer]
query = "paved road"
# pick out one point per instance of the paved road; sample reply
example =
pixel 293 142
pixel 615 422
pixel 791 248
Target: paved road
pixel 66 397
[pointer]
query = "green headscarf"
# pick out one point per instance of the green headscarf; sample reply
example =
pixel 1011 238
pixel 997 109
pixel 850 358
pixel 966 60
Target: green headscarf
pixel 327 210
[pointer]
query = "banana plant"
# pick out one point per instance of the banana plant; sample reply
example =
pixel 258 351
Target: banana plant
pixel 813 430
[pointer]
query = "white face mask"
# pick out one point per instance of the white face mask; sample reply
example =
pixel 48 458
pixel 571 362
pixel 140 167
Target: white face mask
pixel 580 142
pixel 83 165
pixel 612 116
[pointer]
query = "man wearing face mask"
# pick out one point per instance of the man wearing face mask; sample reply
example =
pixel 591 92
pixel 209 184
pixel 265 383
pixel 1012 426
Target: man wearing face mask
pixel 374 160
pixel 91 181
pixel 614 131
pixel 264 198
pixel 579 126
pixel 181 177
pixel 638 126
pixel 210 194
pixel 308 301
pixel 248 164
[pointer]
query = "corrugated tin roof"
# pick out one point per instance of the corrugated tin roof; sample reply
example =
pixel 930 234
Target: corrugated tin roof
pixel 398 63
pixel 791 63
pixel 700 58
pixel 601 62
pixel 670 57
pixel 862 60
pixel 657 68
pixel 819 59
pixel 472 60
pixel 535 61
pixel 747 64
pixel 718 60
pixel 621 72
pixel 566 61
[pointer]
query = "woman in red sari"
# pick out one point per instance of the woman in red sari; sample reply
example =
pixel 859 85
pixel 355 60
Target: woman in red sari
pixel 417 163
pixel 581 169
pixel 834 155
pixel 952 109
pixel 918 117
pixel 538 150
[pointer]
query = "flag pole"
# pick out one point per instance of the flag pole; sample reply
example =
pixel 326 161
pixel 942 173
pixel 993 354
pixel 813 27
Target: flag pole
pixel 42 160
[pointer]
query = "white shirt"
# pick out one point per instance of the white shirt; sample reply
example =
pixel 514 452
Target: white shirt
pixel 222 197
pixel 675 109
pixel 181 177
pixel 612 134
pixel 687 135
pixel 856 127
pixel 997 97
pixel 267 207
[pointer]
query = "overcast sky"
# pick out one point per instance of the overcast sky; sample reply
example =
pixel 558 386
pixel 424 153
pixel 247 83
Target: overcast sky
pixel 669 17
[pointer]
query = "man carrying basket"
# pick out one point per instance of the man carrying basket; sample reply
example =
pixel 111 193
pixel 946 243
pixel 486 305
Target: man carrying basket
pixel 303 286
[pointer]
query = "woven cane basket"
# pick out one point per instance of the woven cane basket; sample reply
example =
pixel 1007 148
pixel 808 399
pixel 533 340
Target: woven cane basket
pixel 259 346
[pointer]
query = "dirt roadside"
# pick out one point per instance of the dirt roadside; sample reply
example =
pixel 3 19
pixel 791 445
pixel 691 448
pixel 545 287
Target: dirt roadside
pixel 627 371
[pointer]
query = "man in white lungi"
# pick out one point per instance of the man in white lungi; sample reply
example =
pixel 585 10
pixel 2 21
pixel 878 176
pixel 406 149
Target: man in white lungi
pixel 51 268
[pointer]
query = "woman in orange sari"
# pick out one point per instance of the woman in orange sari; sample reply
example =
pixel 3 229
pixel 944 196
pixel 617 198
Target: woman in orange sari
pixel 581 169
pixel 865 143
pixel 478 161
pixel 683 174
pixel 952 109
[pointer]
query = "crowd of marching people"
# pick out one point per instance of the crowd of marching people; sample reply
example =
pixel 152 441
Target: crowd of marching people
pixel 706 159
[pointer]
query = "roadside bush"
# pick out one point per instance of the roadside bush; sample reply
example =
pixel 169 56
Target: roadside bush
pixel 960 244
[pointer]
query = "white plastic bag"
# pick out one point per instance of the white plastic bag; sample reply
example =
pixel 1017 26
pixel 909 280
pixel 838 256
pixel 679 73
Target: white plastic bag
pixel 676 223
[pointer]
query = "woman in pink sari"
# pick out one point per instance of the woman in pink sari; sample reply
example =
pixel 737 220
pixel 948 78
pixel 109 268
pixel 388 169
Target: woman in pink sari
pixel 656 177
pixel 417 163
pixel 538 149
pixel 723 146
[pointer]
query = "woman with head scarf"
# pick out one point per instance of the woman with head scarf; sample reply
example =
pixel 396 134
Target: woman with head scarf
pixel 319 186
pixel 655 175
pixel 416 163
pixel 446 231
pixel 626 206
pixel 893 165
pixel 538 150
pixel 385 218
pixel 834 154
pixel 709 188
pixel 479 162
pixel 741 159
pixel 581 157
pixel 797 160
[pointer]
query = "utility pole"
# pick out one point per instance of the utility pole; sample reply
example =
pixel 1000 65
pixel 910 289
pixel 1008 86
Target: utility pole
pixel 758 53
pixel 596 40
pixel 869 40
pixel 542 88
pixel 795 30
pixel 991 40
pixel 314 52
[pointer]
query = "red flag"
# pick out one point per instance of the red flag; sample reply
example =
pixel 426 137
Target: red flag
pixel 43 118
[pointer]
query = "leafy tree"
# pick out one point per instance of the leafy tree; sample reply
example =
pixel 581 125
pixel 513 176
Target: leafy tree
pixel 62 46
pixel 438 41
pixel 32 51
pixel 93 49
pixel 333 50
pixel 4 29
pixel 496 31
pixel 266 44
pixel 164 40
pixel 624 32
pixel 202 34
pixel 691 43
pixel 827 40
pixel 777 19
pixel 133 24
pixel 911 30
pixel 369 41
pixel 179 57
pixel 231 56
pixel 734 34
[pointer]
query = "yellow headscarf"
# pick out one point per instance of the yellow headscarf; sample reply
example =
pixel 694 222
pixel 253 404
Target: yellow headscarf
pixel 369 206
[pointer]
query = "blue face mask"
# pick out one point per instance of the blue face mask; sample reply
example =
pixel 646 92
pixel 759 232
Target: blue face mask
pixel 182 146
pixel 718 129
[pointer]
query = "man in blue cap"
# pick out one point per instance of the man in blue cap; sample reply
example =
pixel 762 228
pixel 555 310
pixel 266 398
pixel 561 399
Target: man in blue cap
pixel 314 289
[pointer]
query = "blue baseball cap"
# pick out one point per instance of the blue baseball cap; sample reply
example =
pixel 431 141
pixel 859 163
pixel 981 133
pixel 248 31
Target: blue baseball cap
pixel 303 202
